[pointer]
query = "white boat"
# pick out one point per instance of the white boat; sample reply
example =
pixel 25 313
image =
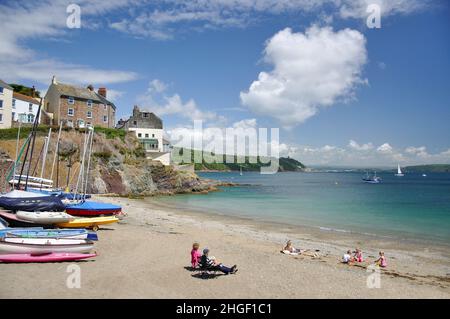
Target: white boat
pixel 32 181
pixel 45 218
pixel 399 171
pixel 44 245
pixel 424 175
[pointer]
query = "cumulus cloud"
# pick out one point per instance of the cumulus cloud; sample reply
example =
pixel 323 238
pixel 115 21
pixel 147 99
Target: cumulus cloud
pixel 363 155
pixel 385 148
pixel 364 147
pixel 311 70
pixel 156 99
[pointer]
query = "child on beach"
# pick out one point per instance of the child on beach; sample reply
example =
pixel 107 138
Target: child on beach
pixel 358 255
pixel 381 261
pixel 195 255
pixel 348 258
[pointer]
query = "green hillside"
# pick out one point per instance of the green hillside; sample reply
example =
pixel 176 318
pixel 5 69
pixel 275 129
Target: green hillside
pixel 286 164
pixel 433 168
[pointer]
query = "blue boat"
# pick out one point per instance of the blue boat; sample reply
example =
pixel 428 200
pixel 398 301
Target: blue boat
pixel 31 202
pixel 90 208
pixel 39 232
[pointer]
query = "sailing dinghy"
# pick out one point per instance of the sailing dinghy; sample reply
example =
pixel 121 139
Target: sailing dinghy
pixel 44 245
pixel 30 201
pixel 399 171
pixel 45 217
pixel 90 208
pixel 52 257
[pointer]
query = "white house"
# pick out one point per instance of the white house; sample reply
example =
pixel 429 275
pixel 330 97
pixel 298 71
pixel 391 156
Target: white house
pixel 149 130
pixel 6 94
pixel 24 108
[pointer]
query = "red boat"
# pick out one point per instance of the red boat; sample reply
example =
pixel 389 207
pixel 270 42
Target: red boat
pixel 89 208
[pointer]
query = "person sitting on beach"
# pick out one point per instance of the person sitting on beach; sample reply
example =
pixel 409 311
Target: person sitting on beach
pixel 381 261
pixel 348 258
pixel 291 249
pixel 195 255
pixel 358 255
pixel 211 262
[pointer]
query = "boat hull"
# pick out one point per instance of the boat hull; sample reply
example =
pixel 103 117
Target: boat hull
pixel 89 222
pixel 89 208
pixel 44 246
pixel 48 233
pixel 14 221
pixel 52 257
pixel 45 217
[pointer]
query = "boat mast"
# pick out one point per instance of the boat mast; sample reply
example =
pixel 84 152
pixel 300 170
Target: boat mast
pixel 17 153
pixel 56 150
pixel 44 159
pixel 91 134
pixel 81 173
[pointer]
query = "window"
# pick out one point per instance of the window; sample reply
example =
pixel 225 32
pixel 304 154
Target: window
pixel 70 100
pixel 134 122
pixel 153 135
pixel 146 134
pixel 70 123
pixel 1 117
pixel 30 107
pixel 89 103
pixel 1 90
pixel 70 112
pixel 105 107
pixel 88 124
pixel 22 118
pixel 139 134
pixel 13 115
pixel 14 103
pixel 80 123
pixel 89 114
pixel 105 118
pixel 1 104
pixel 30 118
pixel 145 114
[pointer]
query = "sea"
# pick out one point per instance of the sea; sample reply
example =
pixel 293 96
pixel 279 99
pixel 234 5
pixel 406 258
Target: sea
pixel 412 207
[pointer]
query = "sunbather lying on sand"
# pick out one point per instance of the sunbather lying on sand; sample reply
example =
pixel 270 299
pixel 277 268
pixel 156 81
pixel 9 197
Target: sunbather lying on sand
pixel 291 250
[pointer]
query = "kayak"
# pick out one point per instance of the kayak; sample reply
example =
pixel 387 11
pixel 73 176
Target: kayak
pixel 14 221
pixel 44 245
pixel 45 217
pixel 92 222
pixel 90 208
pixel 48 233
pixel 51 257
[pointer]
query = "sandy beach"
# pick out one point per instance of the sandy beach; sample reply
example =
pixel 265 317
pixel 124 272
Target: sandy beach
pixel 147 253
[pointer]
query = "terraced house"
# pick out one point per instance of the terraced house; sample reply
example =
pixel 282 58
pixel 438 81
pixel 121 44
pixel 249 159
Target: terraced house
pixel 6 93
pixel 79 107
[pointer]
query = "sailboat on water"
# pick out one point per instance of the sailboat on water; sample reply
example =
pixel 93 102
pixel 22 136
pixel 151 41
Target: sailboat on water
pixel 399 171
pixel 372 179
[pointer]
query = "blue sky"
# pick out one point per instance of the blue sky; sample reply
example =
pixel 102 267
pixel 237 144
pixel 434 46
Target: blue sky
pixel 349 95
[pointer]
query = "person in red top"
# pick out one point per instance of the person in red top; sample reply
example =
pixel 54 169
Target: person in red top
pixel 195 255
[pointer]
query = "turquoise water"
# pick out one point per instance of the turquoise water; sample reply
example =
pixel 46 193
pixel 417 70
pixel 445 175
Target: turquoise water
pixel 411 207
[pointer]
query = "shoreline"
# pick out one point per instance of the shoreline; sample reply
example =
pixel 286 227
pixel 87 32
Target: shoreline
pixel 146 255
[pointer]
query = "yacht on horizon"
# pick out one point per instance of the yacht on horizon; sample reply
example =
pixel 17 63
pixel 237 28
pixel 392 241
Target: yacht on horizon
pixel 399 171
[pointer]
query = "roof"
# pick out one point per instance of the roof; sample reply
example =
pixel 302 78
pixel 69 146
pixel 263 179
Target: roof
pixel 5 85
pixel 81 93
pixel 23 97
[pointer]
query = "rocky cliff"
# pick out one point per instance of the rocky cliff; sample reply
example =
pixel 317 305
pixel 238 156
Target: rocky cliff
pixel 118 165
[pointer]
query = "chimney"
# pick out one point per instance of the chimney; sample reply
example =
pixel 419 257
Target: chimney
pixel 54 80
pixel 102 92
pixel 90 87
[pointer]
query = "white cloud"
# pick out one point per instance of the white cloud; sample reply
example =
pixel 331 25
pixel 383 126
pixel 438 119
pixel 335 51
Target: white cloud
pixel 166 17
pixel 33 20
pixel 311 70
pixel 364 147
pixel 114 95
pixel 384 155
pixel 385 148
pixel 162 104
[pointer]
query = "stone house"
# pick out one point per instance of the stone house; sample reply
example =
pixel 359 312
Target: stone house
pixel 149 130
pixel 78 107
